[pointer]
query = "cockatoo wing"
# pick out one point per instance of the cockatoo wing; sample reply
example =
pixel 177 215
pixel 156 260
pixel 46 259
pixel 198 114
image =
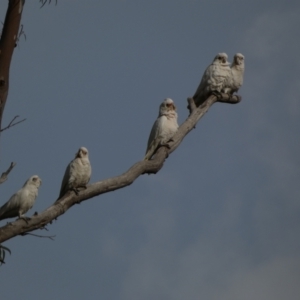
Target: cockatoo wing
pixel 11 208
pixel 202 89
pixel 213 79
pixel 65 182
pixel 155 137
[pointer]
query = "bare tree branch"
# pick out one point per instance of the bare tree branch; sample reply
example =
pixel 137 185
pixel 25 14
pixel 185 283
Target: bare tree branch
pixel 11 124
pixel 4 175
pixel 142 167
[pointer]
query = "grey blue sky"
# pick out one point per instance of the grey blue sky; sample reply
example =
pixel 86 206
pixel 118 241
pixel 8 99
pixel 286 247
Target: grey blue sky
pixel 221 220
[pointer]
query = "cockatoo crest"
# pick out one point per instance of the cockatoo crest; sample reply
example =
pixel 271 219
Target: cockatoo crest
pixel 167 107
pixel 82 152
pixel 221 59
pixel 33 180
pixel 238 60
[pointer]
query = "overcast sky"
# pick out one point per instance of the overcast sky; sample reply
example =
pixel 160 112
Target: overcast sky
pixel 221 220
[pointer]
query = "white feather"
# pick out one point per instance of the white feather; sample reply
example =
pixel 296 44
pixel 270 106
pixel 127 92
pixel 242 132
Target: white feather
pixel 78 172
pixel 213 78
pixel 235 80
pixel 163 128
pixel 23 200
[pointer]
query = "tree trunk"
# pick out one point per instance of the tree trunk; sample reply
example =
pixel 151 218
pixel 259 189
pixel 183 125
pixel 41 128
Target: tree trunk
pixel 8 41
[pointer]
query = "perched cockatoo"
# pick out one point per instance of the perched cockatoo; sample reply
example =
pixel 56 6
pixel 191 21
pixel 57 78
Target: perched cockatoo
pixel 235 79
pixel 213 78
pixel 163 128
pixel 78 172
pixel 20 202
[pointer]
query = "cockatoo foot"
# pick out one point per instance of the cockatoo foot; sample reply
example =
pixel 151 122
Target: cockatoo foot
pixel 26 219
pixel 84 187
pixel 166 145
pixel 75 191
pixel 217 94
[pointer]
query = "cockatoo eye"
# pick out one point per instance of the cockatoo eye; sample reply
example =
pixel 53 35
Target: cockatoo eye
pixel 34 179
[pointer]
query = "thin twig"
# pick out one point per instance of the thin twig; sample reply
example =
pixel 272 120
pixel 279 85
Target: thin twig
pixel 5 174
pixel 45 1
pixel 21 32
pixel 51 237
pixel 11 124
pixel 3 251
pixel 5 248
pixel 12 120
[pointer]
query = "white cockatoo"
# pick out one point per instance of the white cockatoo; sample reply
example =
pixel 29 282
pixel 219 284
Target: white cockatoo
pixel 235 80
pixel 20 202
pixel 163 128
pixel 213 78
pixel 78 172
